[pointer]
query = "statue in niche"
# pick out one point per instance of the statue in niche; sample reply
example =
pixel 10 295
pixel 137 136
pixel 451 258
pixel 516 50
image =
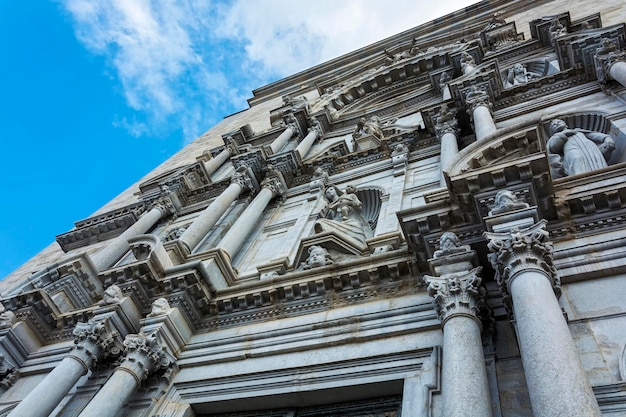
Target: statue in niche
pixel 160 307
pixel 368 127
pixel 342 215
pixel 467 62
pixel 576 151
pixel 518 75
pixel 112 295
pixel 444 79
pixel 506 201
pixel 318 256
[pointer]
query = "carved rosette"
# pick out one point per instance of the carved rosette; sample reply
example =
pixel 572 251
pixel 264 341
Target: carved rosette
pixel 457 295
pixel 93 342
pixel 522 250
pixel 477 97
pixel 143 355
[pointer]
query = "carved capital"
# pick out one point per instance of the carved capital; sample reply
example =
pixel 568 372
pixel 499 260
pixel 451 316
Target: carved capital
pixel 446 122
pixel 457 294
pixel 522 250
pixel 242 178
pixel 275 185
pixel 316 126
pixel 166 204
pixel 94 341
pixel 292 123
pixel 475 97
pixel 143 355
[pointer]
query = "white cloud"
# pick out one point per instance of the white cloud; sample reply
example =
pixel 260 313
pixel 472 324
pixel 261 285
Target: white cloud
pixel 183 64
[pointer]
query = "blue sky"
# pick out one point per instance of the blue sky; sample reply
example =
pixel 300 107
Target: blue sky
pixel 96 93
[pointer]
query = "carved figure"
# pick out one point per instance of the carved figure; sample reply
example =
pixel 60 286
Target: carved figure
pixel 318 256
pixel 495 22
pixel 7 317
pixel 518 75
pixel 449 244
pixel 467 62
pixel 343 215
pixel 366 127
pixel 444 79
pixel 296 103
pixel 557 29
pixel 576 151
pixel 160 307
pixel 506 201
pixel 112 295
pixel 399 149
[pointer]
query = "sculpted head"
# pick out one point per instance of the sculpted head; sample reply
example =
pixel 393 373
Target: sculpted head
pixel 449 241
pixel 557 125
pixel 331 193
pixel 519 69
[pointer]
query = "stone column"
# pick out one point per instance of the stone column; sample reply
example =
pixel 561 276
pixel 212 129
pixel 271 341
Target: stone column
pixel 218 160
pixel 610 62
pixel 93 341
pixel 272 186
pixel 241 181
pixel 116 248
pixel 288 133
pixel 522 258
pixel 305 145
pixel 479 107
pixel 458 294
pixel 143 355
pixel 447 131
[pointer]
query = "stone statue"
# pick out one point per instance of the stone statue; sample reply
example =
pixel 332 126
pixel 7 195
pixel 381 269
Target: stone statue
pixel 506 201
pixel 368 127
pixel 449 244
pixel 576 151
pixel 7 317
pixel 318 256
pixel 495 22
pixel 467 62
pixel 557 29
pixel 444 79
pixel 343 215
pixel 518 75
pixel 112 295
pixel 160 307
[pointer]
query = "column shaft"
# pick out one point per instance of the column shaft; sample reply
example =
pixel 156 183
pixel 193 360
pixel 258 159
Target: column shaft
pixel 47 395
pixel 116 248
pixel 464 377
pixel 449 149
pixel 281 140
pixel 556 380
pixel 483 122
pixel 618 72
pixel 240 230
pixel 112 396
pixel 304 146
pixel 207 219
pixel 213 164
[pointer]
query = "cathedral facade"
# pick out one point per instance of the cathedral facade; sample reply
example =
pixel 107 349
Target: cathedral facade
pixel 431 226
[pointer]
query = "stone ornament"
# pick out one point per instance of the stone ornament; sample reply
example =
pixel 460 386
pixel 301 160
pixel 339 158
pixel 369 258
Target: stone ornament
pixel 622 365
pixel 292 123
pixel 368 127
pixel 318 256
pixel 8 373
pixel 112 295
pixel 143 355
pixel 605 57
pixel 518 75
pixel 450 244
pixel 160 307
pixel 506 201
pixel 467 62
pixel 457 294
pixel 446 122
pixel 7 317
pixel 94 341
pixel 577 151
pixel 557 29
pixel 521 250
pixel 242 178
pixel 475 97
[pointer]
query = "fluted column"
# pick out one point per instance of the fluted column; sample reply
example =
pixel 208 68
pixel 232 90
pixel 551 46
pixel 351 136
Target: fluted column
pixel 557 383
pixel 447 131
pixel 143 355
pixel 271 187
pixel 242 180
pixel 93 341
pixel 116 248
pixel 479 107
pixel 305 145
pixel 458 294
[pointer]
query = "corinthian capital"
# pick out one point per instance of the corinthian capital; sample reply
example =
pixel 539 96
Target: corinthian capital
pixel 446 122
pixel 457 295
pixel 520 250
pixel 475 97
pixel 242 178
pixel 94 341
pixel 143 354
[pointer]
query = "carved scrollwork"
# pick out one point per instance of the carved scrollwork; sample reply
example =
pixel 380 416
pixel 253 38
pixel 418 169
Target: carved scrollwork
pixel 242 178
pixel 143 354
pixel 475 97
pixel 457 294
pixel 446 122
